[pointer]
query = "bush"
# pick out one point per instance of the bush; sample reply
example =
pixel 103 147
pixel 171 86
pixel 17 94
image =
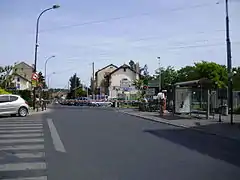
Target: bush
pixel 237 111
pixel 2 91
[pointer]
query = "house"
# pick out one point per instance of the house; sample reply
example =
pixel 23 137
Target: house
pixel 100 78
pixel 21 76
pixel 120 82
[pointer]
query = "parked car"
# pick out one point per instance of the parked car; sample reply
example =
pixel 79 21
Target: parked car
pixel 82 101
pixel 101 103
pixel 13 105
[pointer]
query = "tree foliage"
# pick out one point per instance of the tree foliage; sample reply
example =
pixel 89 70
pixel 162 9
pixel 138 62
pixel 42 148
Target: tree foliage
pixel 215 72
pixel 74 82
pixel 236 78
pixel 76 88
pixel 5 76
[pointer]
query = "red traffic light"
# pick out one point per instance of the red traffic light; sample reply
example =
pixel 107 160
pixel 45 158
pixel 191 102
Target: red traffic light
pixel 145 87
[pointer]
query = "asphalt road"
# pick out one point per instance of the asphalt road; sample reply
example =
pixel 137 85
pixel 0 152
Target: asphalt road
pixel 96 144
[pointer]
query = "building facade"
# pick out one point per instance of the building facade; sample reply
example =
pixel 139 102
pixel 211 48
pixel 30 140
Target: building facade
pixel 121 82
pixel 21 76
pixel 100 81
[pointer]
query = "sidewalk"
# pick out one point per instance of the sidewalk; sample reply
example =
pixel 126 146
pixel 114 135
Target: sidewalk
pixel 32 112
pixel 210 126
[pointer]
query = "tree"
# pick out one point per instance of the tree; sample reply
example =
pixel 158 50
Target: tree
pixel 81 93
pixel 132 64
pixel 75 84
pixel 212 71
pixel 169 76
pixel 105 84
pixel 5 76
pixel 138 84
pixel 236 78
pixel 215 72
pixel 187 73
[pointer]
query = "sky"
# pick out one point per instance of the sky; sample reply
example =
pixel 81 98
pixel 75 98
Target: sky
pixel 80 32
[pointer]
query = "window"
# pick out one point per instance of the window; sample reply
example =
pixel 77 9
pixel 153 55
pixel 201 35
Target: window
pixel 124 69
pixel 25 75
pixel 18 79
pixel 22 69
pixel 13 98
pixel 18 86
pixel 4 99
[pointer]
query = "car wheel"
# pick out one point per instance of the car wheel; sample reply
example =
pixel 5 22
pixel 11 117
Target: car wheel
pixel 22 111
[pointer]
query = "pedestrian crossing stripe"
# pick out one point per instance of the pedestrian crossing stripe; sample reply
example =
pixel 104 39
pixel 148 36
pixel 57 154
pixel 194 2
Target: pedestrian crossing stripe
pixel 23 140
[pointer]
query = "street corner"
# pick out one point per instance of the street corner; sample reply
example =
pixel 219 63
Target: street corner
pixel 33 112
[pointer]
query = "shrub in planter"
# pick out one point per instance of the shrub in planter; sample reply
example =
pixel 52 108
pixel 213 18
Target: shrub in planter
pixel 237 111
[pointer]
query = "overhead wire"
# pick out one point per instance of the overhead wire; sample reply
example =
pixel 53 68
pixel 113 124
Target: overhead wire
pixel 126 17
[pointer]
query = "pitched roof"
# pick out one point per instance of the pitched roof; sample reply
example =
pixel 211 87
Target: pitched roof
pixel 121 67
pixel 25 64
pixel 105 68
pixel 15 74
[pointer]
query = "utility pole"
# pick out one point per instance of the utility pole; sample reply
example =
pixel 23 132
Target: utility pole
pixel 93 85
pixel 159 77
pixel 75 88
pixel 229 66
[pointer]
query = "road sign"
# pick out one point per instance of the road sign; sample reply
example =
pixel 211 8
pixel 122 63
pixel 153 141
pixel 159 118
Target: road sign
pixel 34 79
pixel 150 91
pixel 35 76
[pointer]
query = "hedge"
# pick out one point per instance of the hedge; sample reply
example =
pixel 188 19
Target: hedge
pixel 2 91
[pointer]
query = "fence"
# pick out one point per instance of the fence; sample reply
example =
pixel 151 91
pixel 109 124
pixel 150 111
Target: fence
pixel 200 100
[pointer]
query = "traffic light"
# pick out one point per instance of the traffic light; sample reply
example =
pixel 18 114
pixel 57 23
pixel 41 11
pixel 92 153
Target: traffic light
pixel 145 87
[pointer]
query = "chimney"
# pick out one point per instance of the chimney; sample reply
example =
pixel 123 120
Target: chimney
pixel 137 68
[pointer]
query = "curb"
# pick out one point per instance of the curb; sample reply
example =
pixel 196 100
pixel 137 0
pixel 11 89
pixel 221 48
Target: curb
pixel 39 112
pixel 183 126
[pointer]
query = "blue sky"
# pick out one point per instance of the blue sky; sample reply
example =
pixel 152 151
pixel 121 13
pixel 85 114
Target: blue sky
pixel 181 32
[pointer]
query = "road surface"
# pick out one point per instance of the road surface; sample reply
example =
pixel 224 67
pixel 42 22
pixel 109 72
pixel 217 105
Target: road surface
pixel 80 143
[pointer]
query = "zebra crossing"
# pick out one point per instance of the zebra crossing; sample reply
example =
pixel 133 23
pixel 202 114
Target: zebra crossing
pixel 22 155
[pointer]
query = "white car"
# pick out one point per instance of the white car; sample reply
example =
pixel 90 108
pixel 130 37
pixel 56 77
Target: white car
pixel 13 105
pixel 101 103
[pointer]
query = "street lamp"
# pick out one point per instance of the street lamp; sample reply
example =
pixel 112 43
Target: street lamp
pixel 45 73
pixel 36 47
pixel 159 78
pixel 49 78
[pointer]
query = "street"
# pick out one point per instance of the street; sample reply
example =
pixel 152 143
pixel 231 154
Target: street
pixel 101 144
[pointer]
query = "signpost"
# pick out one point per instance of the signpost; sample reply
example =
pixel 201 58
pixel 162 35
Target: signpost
pixel 34 79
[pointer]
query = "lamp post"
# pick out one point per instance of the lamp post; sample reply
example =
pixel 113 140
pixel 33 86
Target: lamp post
pixel 36 48
pixel 49 78
pixel 229 66
pixel 45 73
pixel 159 78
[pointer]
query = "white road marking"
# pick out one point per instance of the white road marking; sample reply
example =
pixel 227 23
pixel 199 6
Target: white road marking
pixel 20 135
pixel 21 131
pixel 22 147
pixel 34 140
pixel 29 155
pixel 5 128
pixel 19 125
pixel 29 178
pixel 22 166
pixel 55 137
